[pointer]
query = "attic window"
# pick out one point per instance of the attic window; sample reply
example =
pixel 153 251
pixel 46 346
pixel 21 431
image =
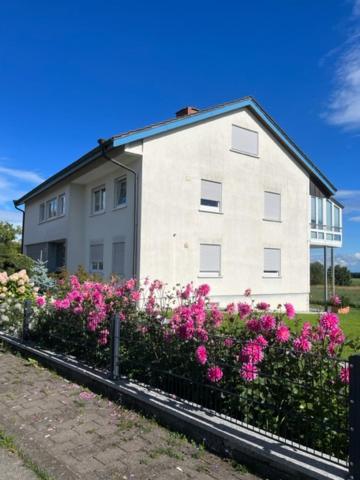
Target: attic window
pixel 245 141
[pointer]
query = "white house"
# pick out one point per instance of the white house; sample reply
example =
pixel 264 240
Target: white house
pixel 220 195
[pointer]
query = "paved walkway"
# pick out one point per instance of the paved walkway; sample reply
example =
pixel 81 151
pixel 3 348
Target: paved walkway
pixel 73 434
pixel 12 468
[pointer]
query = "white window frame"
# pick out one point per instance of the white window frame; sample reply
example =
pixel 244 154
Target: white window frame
pixel 272 273
pixel 99 188
pixel 212 273
pixel 42 210
pixel 116 182
pixel 268 219
pixel 210 208
pixel 234 149
pixel 98 263
pixel 50 217
pixel 61 200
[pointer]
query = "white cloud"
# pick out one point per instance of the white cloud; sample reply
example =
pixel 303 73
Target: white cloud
pixel 355 219
pixel 351 201
pixel 25 175
pixel 344 105
pixel 13 184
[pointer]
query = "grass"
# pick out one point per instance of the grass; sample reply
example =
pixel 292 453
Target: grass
pixel 352 292
pixel 9 444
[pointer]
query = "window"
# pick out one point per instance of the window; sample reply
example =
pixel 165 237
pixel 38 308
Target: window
pixel 51 208
pixel 97 257
pixel 98 199
pixel 42 212
pixel 329 220
pixel 120 192
pixel 61 205
pixel 118 258
pixel 272 209
pixel 210 196
pixel 245 141
pixel 313 211
pixel 272 262
pixel 336 218
pixel 210 260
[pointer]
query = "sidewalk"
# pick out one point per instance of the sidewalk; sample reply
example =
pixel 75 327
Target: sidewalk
pixel 71 433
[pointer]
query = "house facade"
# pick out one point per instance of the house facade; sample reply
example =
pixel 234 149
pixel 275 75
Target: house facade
pixel 221 196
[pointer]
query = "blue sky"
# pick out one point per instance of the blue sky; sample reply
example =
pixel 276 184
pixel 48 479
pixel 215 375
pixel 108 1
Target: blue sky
pixel 72 72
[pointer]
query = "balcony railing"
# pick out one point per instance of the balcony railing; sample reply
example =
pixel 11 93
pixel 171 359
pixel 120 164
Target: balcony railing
pixel 325 235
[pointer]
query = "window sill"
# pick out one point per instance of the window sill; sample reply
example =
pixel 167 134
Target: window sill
pixel 272 276
pixel 244 153
pixel 96 214
pixel 210 211
pixel 271 220
pixel 120 207
pixel 209 276
pixel 51 219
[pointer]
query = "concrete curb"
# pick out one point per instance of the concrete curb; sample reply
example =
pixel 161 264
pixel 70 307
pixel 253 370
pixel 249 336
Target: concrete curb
pixel 268 456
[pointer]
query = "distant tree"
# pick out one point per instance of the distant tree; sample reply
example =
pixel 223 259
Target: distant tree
pixel 355 274
pixel 11 259
pixel 342 276
pixel 316 273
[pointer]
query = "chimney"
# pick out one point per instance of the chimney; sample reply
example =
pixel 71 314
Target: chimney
pixel 184 112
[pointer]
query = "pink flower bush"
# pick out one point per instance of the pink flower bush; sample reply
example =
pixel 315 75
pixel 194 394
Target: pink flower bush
pixel 214 374
pixel 244 310
pixel 40 301
pixel 263 306
pixel 201 355
pixel 302 344
pixel 345 375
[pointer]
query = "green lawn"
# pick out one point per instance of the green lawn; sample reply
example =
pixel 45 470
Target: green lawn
pixel 352 292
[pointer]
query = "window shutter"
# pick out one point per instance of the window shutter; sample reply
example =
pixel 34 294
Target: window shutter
pixel 272 260
pixel 210 258
pixel 118 258
pixel 272 206
pixel 96 253
pixel 211 190
pixel 245 141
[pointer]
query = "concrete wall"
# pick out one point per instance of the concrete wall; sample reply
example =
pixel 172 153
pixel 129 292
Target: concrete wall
pixel 172 226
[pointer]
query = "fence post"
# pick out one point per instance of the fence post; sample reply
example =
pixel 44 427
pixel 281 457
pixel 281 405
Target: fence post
pixel 115 345
pixel 354 417
pixel 26 320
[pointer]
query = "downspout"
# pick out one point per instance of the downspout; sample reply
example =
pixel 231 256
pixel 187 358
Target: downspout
pixel 102 144
pixel 23 225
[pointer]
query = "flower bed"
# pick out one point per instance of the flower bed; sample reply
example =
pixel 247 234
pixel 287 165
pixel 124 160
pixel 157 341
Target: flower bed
pixel 292 385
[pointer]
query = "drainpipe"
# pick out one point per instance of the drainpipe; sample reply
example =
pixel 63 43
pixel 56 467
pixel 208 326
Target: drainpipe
pixel 23 225
pixel 102 144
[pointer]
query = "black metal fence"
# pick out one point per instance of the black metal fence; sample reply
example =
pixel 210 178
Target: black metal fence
pixel 298 400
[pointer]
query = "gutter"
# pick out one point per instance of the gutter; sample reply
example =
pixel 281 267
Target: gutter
pixel 103 144
pixel 23 225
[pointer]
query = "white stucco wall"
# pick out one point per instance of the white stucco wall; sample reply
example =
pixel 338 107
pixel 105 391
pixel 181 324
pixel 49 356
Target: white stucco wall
pixel 172 227
pixel 79 227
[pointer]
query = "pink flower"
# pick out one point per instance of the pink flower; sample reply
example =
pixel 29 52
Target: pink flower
pixel 328 321
pixel 40 301
pixel 78 310
pixel 103 337
pixel 345 375
pixel 282 334
pixel 249 372
pixel 268 322
pixel 230 308
pixel 252 352
pixel 244 310
pixel 228 342
pixel 306 330
pixel 337 336
pixel 214 374
pixel 263 306
pixel 203 290
pixel 335 300
pixel 253 325
pixel 185 294
pixel 130 284
pixel 247 292
pixel 201 354
pixel 290 310
pixel 135 296
pixel 302 344
pixel 260 340
pixel 62 304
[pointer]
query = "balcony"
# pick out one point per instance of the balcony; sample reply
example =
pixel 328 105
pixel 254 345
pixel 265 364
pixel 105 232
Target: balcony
pixel 325 222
